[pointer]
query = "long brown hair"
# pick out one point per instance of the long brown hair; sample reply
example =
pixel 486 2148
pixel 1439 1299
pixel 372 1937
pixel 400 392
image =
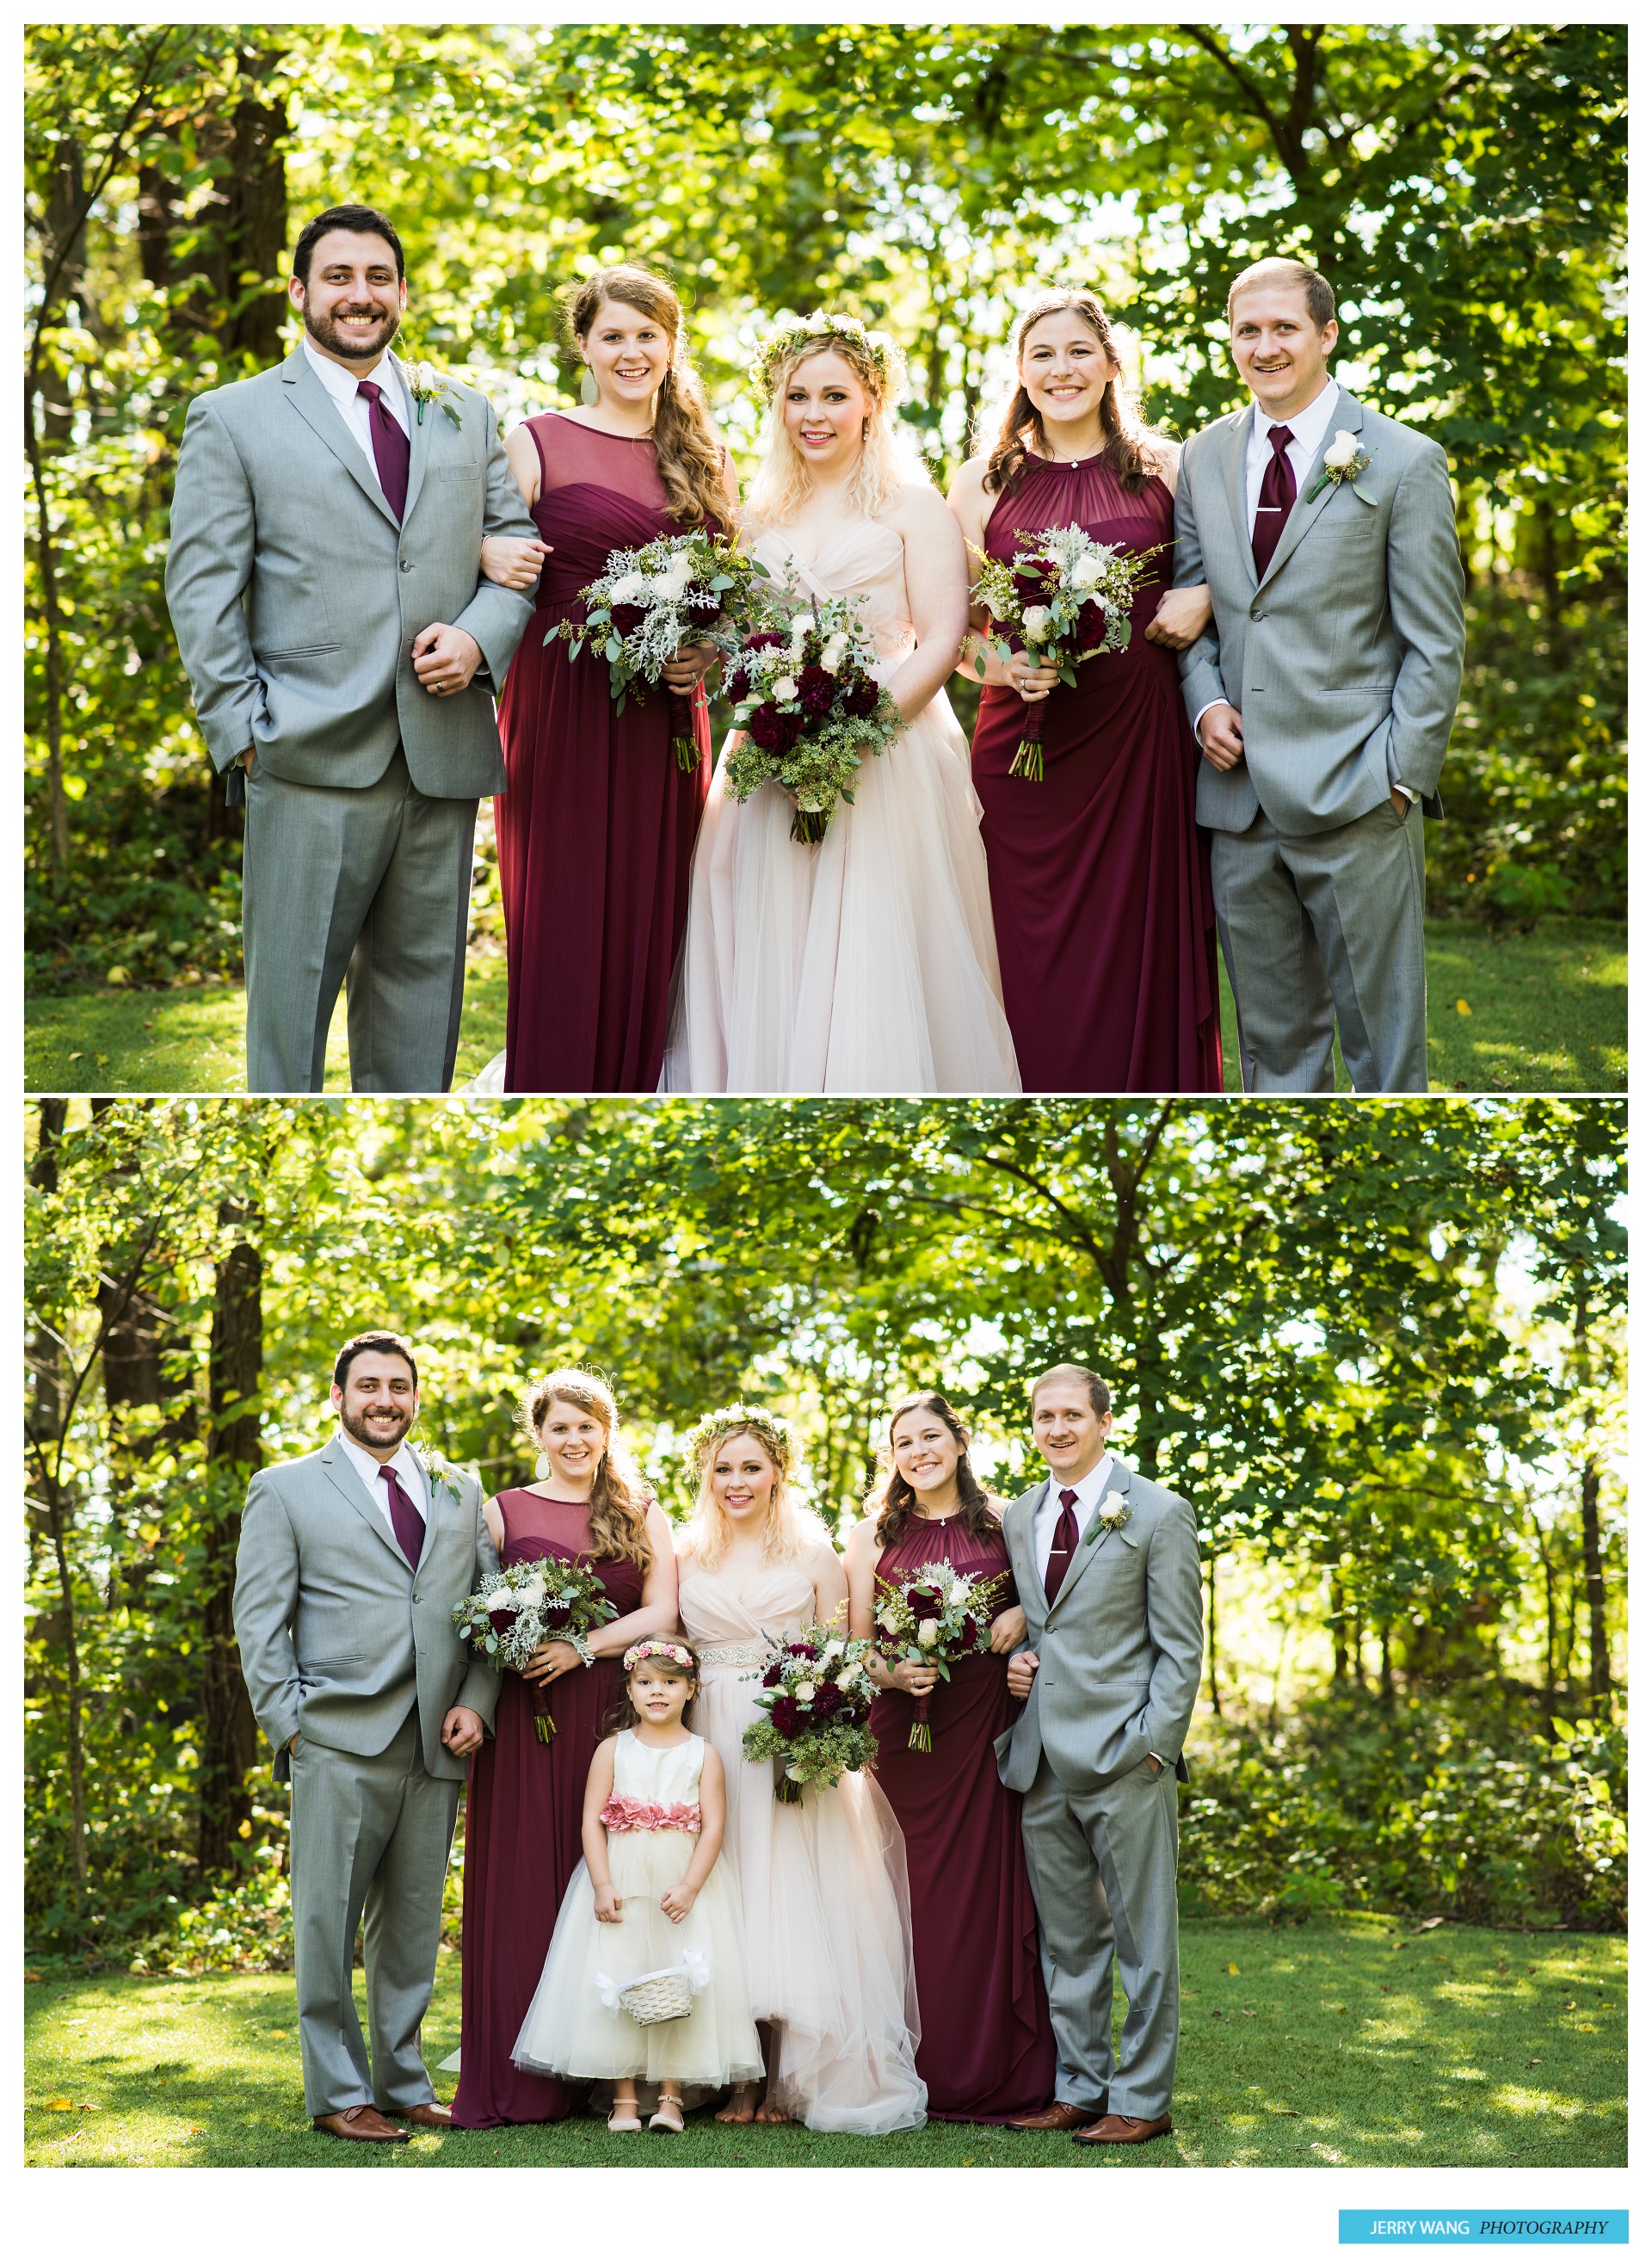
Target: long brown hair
pixel 894 1500
pixel 618 1502
pixel 686 447
pixel 1132 450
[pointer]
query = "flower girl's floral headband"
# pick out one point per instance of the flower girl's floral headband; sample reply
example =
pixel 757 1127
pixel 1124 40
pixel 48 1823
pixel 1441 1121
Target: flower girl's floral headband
pixel 873 349
pixel 773 1433
pixel 663 1650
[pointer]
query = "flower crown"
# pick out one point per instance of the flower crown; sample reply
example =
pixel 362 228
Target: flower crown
pixel 666 1649
pixel 878 348
pixel 775 1433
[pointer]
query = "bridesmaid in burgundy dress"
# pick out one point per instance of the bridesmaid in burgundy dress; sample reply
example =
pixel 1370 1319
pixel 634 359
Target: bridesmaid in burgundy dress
pixel 985 2049
pixel 526 1798
pixel 595 829
pixel 1101 881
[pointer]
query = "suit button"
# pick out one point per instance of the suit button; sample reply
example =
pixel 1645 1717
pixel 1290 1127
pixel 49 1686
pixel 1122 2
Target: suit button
pixel 1255 615
pixel 416 1599
pixel 406 566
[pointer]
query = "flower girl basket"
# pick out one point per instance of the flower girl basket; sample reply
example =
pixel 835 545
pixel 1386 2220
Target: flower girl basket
pixel 663 1996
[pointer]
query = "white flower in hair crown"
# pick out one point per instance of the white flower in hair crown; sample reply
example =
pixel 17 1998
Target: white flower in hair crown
pixel 776 1435
pixel 425 386
pixel 816 328
pixel 1344 459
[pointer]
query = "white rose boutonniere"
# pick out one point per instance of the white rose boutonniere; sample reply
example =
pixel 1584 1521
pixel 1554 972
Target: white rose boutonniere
pixel 1344 459
pixel 443 1476
pixel 425 386
pixel 1107 1519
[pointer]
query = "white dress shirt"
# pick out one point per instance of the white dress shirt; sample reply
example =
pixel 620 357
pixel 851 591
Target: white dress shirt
pixel 406 1466
pixel 1308 430
pixel 1090 1496
pixel 340 386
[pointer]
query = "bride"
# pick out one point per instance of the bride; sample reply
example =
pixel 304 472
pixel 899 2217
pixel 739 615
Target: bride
pixel 867 963
pixel 823 1882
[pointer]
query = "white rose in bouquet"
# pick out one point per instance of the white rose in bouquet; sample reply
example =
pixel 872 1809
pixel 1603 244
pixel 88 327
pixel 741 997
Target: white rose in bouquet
pixel 831 1650
pixel 847 1680
pixel 1088 572
pixel 628 589
pixel 784 689
pixel 804 1693
pixel 832 657
pixel 928 1633
pixel 1035 622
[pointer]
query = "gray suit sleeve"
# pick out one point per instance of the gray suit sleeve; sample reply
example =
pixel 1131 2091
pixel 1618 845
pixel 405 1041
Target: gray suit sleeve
pixel 1175 1623
pixel 479 1690
pixel 498 617
pixel 1201 682
pixel 208 565
pixel 1425 598
pixel 266 1578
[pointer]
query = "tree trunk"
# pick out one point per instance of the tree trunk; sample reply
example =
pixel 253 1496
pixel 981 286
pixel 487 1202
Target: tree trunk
pixel 1211 1632
pixel 1387 1678
pixel 1595 1591
pixel 46 1423
pixel 1550 1630
pixel 71 1674
pixel 1338 1629
pixel 229 1731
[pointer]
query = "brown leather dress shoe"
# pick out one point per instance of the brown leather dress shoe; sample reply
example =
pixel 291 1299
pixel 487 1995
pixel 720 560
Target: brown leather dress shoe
pixel 1060 2117
pixel 429 2113
pixel 1114 2132
pixel 361 2123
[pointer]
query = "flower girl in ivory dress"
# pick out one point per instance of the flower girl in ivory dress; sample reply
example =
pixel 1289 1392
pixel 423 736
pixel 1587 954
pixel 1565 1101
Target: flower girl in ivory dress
pixel 645 1974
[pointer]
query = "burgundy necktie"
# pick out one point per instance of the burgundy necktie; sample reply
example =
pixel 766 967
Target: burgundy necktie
pixel 1276 500
pixel 1063 1544
pixel 405 1517
pixel 390 450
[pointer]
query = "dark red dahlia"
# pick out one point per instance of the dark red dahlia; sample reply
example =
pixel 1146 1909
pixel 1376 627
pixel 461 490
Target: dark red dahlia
pixel 1092 627
pixel 966 1630
pixel 765 639
pixel 800 1646
pixel 768 728
pixel 502 1620
pixel 624 617
pixel 788 1717
pixel 925 1604
pixel 817 690
pixel 861 696
pixel 828 1700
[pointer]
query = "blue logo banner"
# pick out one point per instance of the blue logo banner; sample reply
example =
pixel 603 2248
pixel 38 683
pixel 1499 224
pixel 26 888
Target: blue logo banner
pixel 1511 2230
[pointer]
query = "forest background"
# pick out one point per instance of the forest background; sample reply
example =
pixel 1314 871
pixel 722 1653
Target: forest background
pixel 1379 1347
pixel 1462 186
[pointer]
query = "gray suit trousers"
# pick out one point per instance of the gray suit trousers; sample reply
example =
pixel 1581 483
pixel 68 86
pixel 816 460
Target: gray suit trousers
pixel 1095 1855
pixel 375 882
pixel 1326 930
pixel 372 1833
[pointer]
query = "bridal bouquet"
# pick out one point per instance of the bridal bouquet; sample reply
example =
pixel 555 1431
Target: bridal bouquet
pixel 810 709
pixel 939 1616
pixel 514 1610
pixel 817 1699
pixel 1066 601
pixel 650 603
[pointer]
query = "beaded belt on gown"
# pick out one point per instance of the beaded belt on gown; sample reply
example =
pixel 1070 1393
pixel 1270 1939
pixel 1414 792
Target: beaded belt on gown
pixel 738 1652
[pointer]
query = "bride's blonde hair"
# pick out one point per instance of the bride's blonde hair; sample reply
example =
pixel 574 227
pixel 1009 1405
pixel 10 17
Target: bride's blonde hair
pixel 789 1528
pixel 783 485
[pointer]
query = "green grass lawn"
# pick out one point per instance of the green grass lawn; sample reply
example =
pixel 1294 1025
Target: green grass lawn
pixel 1356 2041
pixel 1547 1009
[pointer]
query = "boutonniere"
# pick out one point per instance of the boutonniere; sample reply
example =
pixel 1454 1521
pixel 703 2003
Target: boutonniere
pixel 425 386
pixel 442 1476
pixel 1107 1519
pixel 1344 459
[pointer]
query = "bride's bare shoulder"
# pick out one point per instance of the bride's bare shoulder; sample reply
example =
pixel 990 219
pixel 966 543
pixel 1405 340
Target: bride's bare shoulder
pixel 917 512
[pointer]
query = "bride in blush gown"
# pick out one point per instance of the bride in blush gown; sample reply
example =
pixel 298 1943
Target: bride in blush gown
pixel 868 962
pixel 823 1882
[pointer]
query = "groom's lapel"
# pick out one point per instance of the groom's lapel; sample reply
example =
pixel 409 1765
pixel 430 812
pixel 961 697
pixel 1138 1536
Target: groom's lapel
pixel 1094 1541
pixel 1239 448
pixel 348 1483
pixel 421 433
pixel 309 396
pixel 1349 416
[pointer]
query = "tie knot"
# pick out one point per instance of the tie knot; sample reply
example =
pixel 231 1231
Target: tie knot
pixel 1069 1497
pixel 1279 438
pixel 369 391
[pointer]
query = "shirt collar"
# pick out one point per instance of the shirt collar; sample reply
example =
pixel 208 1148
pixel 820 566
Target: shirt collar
pixel 1089 1489
pixel 367 1467
pixel 1309 425
pixel 341 382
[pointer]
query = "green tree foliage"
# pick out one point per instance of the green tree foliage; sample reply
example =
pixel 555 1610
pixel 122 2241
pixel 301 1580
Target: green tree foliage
pixel 1379 1347
pixel 1462 185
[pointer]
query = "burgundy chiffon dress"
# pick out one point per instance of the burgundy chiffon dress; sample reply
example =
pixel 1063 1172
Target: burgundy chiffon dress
pixel 522 1835
pixel 1099 877
pixel 985 2049
pixel 595 829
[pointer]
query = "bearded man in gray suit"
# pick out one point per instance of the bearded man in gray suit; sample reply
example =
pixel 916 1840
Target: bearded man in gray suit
pixel 351 1563
pixel 1107 1565
pixel 1323 694
pixel 327 531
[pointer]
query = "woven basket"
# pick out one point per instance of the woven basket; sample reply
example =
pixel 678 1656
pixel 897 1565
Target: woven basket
pixel 661 1999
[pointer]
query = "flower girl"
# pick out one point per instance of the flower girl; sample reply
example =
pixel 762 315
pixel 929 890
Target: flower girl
pixel 644 1977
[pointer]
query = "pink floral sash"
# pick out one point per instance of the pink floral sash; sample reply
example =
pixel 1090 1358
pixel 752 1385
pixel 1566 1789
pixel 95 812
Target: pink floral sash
pixel 628 1815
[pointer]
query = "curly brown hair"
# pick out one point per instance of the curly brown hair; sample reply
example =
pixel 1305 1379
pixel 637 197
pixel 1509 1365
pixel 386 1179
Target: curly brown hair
pixel 1133 452
pixel 690 455
pixel 619 1502
pixel 893 1498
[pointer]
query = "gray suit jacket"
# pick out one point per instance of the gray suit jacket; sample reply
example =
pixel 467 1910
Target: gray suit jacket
pixel 338 1637
pixel 1346 659
pixel 295 596
pixel 1121 1649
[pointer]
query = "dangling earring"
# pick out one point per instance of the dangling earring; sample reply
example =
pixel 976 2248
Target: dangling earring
pixel 542 1468
pixel 587 386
